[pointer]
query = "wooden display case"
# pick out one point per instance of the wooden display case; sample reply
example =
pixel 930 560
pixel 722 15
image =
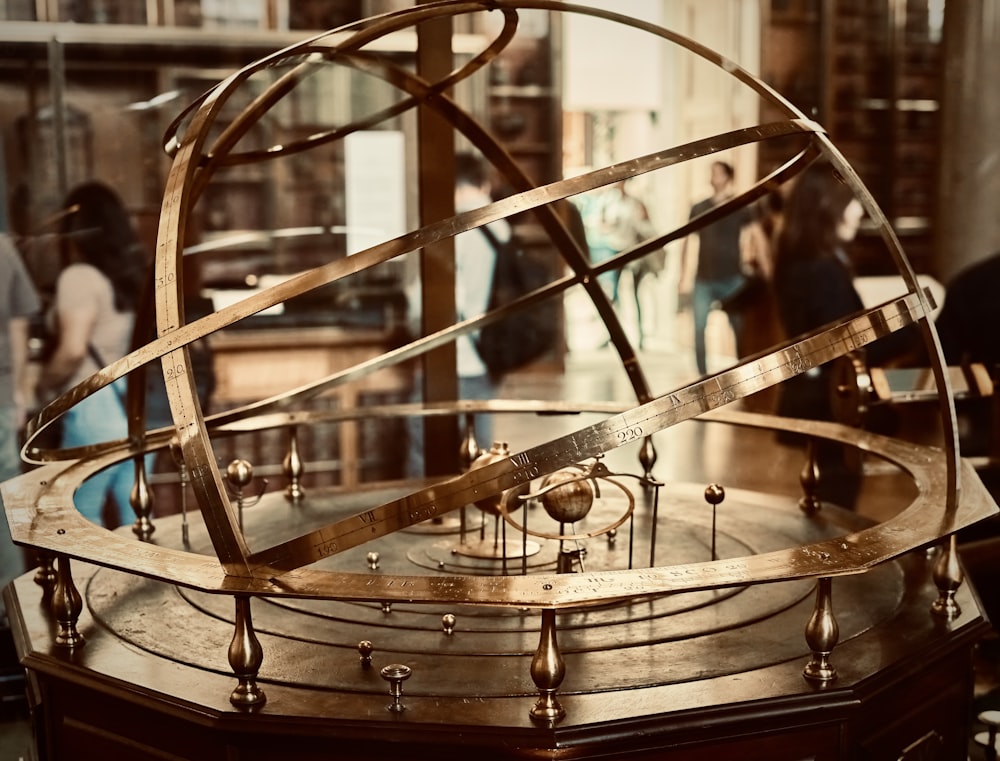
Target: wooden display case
pixel 118 74
pixel 127 73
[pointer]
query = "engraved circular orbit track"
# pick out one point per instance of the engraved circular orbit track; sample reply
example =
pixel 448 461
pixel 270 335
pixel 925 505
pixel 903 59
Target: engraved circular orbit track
pixel 616 640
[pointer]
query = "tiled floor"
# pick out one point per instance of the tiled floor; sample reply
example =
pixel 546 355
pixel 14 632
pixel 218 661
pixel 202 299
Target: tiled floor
pixel 16 742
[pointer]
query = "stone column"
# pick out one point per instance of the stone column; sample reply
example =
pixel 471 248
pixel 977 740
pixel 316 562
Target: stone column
pixel 969 212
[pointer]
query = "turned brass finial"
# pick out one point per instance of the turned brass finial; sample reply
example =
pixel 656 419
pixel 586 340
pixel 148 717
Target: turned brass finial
pixel 822 633
pixel 141 499
pixel 293 468
pixel 469 450
pixel 548 669
pixel 714 495
pixel 365 650
pixel 809 477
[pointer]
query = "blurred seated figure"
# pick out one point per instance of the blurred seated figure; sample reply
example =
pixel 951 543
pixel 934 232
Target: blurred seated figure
pixel 966 327
pixel 971 311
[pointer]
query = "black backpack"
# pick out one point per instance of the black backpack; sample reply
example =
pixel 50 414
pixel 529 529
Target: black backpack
pixel 527 334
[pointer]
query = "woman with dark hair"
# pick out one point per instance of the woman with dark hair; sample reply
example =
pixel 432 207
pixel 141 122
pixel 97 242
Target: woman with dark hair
pixel 814 286
pixel 813 275
pixel 93 314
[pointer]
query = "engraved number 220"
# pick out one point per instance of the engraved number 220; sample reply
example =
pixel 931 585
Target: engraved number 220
pixel 629 434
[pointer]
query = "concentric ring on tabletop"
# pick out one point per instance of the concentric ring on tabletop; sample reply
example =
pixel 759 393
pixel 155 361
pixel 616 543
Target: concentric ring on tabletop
pixel 664 628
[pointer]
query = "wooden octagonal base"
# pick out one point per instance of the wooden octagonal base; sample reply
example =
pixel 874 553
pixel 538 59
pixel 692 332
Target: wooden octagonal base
pixel 706 675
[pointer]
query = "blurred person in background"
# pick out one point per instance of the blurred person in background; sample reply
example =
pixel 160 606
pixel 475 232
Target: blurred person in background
pixel 717 272
pixel 93 315
pixel 814 286
pixel 20 302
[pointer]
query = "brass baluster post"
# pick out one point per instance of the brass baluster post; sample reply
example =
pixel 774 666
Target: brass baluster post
pixel 548 669
pixel 293 468
pixel 809 476
pixel 141 499
pixel 66 606
pixel 822 633
pixel 245 657
pixel 948 578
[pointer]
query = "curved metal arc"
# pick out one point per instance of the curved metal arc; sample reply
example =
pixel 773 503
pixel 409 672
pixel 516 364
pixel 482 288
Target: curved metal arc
pixel 673 407
pixel 174 333
pixel 371 63
pixel 205 478
pixel 358 34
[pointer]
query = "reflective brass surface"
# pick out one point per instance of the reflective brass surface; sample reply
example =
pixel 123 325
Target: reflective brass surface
pixel 41 514
pixel 305 566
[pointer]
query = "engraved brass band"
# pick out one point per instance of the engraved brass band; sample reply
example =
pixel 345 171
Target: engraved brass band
pixel 709 393
pixel 41 514
pixel 177 335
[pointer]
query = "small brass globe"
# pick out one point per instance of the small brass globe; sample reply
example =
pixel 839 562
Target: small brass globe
pixel 491 504
pixel 572 497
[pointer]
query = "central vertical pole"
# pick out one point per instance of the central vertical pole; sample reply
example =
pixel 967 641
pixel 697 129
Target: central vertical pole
pixel 436 179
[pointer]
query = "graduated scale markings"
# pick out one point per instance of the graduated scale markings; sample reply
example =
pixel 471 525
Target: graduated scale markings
pixel 628 427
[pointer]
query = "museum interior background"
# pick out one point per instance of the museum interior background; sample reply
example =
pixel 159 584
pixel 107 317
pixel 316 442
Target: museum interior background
pixel 87 89
pixel 872 74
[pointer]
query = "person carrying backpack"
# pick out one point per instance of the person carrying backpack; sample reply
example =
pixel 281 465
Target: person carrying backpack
pixel 475 258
